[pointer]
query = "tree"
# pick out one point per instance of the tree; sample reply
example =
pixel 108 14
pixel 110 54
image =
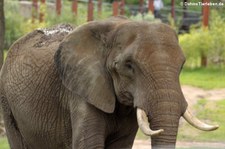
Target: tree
pixel 2 31
pixel 2 34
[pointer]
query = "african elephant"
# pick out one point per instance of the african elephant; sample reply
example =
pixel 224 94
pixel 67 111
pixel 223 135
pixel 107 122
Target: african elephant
pixel 93 87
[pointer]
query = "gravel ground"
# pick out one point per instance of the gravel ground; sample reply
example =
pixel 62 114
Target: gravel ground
pixel 193 94
pixel 146 144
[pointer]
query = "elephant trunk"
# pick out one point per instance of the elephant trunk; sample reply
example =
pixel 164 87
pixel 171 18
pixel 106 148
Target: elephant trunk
pixel 166 138
pixel 163 129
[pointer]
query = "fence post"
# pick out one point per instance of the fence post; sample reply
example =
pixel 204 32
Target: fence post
pixel 34 10
pixel 99 8
pixel 74 7
pixel 173 9
pixel 205 23
pixel 205 13
pixel 122 5
pixel 151 6
pixel 141 4
pixel 115 7
pixel 90 10
pixel 42 11
pixel 58 7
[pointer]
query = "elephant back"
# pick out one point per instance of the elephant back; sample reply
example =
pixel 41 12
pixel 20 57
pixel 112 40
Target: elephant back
pixel 30 60
pixel 40 40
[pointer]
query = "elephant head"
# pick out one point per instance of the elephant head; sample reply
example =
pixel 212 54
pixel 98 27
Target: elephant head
pixel 136 63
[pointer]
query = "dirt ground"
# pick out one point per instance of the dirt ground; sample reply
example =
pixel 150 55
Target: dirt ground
pixel 146 144
pixel 192 95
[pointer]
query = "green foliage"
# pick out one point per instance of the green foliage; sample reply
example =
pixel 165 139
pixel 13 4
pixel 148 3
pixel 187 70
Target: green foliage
pixel 173 24
pixel 207 42
pixel 106 12
pixel 207 78
pixel 5 54
pixel 66 16
pixel 146 17
pixel 202 102
pixel 195 44
pixel 4 143
pixel 217 28
pixel 130 2
pixel 30 26
pixel 13 22
pixel 17 25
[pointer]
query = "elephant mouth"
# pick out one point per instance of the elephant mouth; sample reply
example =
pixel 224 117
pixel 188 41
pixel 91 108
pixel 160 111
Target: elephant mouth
pixel 126 98
pixel 144 124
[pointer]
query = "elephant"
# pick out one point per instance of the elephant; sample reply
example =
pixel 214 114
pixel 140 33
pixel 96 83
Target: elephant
pixel 93 86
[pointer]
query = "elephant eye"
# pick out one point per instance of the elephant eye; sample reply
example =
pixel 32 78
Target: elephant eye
pixel 129 65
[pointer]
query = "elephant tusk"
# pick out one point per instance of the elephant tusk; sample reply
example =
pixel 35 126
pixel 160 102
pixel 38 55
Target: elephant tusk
pixel 197 123
pixel 144 124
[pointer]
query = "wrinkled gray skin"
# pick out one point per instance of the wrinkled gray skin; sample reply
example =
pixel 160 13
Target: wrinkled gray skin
pixel 82 92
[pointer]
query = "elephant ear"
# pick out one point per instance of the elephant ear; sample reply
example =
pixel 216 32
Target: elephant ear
pixel 80 60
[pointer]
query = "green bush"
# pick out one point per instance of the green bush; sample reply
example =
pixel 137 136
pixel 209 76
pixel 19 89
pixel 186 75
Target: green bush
pixel 195 44
pixel 68 17
pixel 130 2
pixel 217 28
pixel 145 17
pixel 205 41
pixel 14 23
pixel 17 25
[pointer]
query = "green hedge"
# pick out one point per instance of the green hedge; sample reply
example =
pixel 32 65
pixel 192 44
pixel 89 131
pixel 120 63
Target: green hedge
pixel 205 41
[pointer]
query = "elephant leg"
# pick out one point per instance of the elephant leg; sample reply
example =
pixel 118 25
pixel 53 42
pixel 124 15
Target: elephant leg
pixel 88 128
pixel 13 134
pixel 124 137
pixel 121 140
